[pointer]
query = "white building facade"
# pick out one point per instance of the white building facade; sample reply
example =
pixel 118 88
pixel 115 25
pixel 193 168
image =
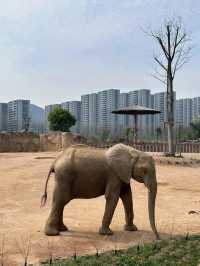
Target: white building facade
pixel 3 117
pixel 94 112
pixel 85 115
pixel 37 115
pixel 195 108
pixel 18 115
pixel 183 116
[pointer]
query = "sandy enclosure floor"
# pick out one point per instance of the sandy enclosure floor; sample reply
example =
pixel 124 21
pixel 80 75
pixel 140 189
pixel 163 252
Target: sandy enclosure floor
pixel 22 179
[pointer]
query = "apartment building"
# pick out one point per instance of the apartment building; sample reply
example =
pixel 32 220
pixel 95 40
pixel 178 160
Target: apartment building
pixel 3 117
pixel 18 115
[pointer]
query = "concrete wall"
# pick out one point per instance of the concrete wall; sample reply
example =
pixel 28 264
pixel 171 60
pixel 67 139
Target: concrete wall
pixel 19 142
pixel 30 142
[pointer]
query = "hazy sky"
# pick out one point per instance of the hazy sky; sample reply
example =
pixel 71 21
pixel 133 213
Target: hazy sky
pixel 54 51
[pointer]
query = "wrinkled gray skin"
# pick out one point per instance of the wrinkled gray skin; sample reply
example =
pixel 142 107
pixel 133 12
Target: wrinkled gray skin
pixel 84 172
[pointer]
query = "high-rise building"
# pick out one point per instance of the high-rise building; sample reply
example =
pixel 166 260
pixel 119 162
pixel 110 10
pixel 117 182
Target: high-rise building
pixel 111 104
pixel 89 115
pixel 96 111
pixel 48 109
pixel 179 112
pixel 144 99
pixel 132 100
pixel 37 116
pixel 141 97
pixel 151 117
pixel 85 115
pixel 18 115
pixel 74 108
pixel 108 100
pixel 102 110
pixel 187 112
pixel 3 117
pixel 195 108
pixel 183 112
pixel 93 115
pixel 159 104
pixel 123 119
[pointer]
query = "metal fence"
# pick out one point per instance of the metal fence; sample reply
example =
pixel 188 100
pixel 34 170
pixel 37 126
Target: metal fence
pixel 157 147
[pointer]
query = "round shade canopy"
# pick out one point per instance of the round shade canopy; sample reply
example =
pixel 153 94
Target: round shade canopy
pixel 136 110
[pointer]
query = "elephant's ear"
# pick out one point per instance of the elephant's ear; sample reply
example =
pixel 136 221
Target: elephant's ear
pixel 120 159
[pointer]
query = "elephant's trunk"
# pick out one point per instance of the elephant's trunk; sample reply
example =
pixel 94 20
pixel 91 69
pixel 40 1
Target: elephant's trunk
pixel 152 191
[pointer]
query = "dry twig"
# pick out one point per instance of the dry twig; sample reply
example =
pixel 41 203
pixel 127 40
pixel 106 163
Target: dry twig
pixel 24 247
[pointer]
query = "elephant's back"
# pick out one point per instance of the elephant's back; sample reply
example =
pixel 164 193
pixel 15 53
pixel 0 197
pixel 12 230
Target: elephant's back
pixel 90 158
pixel 81 158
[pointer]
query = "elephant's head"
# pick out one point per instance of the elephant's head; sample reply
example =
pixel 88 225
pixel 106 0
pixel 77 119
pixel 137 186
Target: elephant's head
pixel 129 163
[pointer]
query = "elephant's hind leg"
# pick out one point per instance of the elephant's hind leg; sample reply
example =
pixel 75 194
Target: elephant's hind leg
pixel 55 223
pixel 62 227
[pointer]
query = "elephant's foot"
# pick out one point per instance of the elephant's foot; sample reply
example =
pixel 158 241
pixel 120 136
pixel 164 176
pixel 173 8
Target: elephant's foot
pixel 105 231
pixel 130 227
pixel 63 227
pixel 51 230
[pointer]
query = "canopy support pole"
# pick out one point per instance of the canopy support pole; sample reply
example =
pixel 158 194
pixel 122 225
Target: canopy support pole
pixel 135 128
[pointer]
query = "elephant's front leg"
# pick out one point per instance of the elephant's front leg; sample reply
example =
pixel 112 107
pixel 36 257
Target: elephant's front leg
pixel 126 196
pixel 112 197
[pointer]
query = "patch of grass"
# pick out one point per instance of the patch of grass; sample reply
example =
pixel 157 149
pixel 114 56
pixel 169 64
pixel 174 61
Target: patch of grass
pixel 183 252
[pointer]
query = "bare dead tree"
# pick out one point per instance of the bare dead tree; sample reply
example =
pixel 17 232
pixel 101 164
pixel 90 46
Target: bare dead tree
pixel 173 43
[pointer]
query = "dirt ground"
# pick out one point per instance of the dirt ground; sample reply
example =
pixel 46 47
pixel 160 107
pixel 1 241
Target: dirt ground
pixel 22 179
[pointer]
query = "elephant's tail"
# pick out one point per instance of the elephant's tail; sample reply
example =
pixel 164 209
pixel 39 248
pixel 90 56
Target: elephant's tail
pixel 44 196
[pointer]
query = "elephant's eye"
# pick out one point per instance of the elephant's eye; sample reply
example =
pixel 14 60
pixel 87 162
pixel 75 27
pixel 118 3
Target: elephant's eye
pixel 144 171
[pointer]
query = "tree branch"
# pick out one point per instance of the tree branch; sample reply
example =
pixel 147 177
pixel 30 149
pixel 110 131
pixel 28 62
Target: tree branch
pixel 175 42
pixel 160 40
pixel 178 42
pixel 161 80
pixel 182 58
pixel 160 63
pixel 181 39
pixel 162 46
pixel 169 40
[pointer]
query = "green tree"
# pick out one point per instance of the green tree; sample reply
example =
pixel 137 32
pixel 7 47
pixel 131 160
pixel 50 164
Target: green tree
pixel 104 134
pixel 195 125
pixel 158 133
pixel 61 120
pixel 129 133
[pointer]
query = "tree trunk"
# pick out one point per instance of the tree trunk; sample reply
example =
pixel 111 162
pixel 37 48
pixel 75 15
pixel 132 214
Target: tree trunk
pixel 170 112
pixel 171 150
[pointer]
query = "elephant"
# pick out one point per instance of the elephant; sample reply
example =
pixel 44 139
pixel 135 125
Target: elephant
pixel 83 172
